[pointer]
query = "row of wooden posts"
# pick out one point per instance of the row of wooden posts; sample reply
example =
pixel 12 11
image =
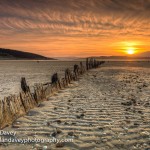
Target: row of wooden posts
pixel 15 106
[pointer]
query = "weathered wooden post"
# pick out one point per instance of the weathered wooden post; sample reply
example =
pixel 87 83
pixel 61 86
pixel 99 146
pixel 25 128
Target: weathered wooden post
pixel 91 60
pixel 76 71
pixel 63 81
pixel 55 80
pixel 1 113
pixel 87 64
pixel 81 68
pixel 95 63
pixel 25 88
pixel 90 63
pixel 68 75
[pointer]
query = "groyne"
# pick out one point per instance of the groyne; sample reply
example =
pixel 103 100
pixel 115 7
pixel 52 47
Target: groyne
pixel 15 106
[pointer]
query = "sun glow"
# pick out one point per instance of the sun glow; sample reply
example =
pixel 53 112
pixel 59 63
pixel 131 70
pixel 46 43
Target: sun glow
pixel 130 47
pixel 131 51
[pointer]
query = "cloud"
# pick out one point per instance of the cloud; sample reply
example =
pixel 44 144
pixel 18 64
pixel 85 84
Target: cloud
pixel 73 18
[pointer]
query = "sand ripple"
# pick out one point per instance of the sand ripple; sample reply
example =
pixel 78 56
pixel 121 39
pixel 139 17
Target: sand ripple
pixel 108 108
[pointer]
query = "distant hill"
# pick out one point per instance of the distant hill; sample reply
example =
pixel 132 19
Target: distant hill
pixel 144 54
pixel 8 54
pixel 112 57
pixel 122 57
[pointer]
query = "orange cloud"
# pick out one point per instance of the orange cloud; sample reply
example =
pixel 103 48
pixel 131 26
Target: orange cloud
pixel 74 27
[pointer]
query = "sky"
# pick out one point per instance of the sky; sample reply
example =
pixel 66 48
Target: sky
pixel 75 28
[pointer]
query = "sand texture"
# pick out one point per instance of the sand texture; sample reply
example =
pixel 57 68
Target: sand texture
pixel 108 108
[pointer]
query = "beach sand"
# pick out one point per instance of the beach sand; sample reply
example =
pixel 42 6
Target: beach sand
pixel 108 108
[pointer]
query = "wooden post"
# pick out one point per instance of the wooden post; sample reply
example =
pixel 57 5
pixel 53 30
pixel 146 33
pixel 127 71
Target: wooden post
pixel 55 81
pixel 90 63
pixel 54 78
pixel 87 64
pixel 81 68
pixel 25 88
pixel 76 71
pixel 68 75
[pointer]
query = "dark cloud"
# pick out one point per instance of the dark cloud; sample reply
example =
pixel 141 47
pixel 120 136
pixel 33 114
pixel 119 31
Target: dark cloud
pixel 46 15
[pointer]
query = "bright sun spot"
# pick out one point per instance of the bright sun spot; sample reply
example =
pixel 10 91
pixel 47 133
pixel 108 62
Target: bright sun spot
pixel 130 51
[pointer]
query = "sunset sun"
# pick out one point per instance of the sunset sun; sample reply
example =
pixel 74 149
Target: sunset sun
pixel 130 51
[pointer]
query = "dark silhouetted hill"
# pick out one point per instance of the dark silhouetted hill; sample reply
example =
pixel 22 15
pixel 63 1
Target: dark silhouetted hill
pixel 9 54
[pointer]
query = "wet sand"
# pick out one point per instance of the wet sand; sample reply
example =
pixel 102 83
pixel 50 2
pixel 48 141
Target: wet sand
pixel 108 108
